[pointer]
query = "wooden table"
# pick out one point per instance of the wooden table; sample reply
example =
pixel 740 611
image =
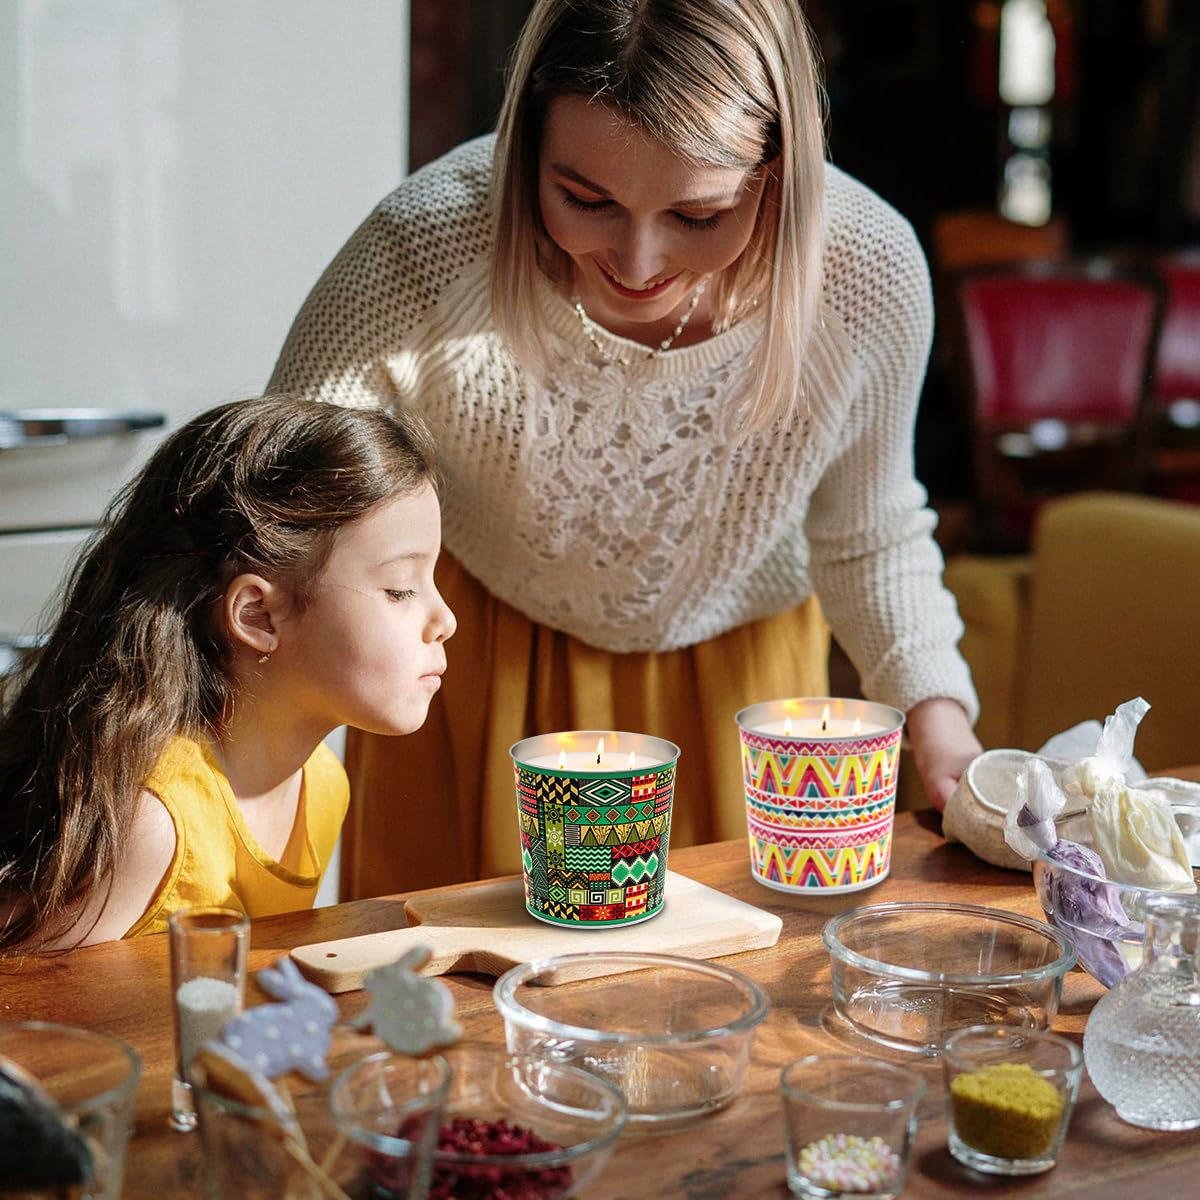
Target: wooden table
pixel 121 988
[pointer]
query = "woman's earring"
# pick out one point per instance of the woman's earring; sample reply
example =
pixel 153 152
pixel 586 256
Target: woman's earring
pixel 263 658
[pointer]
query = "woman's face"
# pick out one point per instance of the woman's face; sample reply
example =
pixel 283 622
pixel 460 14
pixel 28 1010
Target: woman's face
pixel 641 226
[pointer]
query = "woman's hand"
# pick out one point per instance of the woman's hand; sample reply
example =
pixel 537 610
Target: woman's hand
pixel 942 744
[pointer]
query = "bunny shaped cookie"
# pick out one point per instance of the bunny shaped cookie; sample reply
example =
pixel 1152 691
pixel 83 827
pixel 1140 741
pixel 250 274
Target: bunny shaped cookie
pixel 408 1013
pixel 293 1035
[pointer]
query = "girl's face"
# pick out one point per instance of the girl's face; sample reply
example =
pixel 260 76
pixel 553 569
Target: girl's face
pixel 368 651
pixel 641 226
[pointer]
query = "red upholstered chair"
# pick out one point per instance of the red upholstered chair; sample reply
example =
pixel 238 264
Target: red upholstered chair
pixel 1057 360
pixel 1175 390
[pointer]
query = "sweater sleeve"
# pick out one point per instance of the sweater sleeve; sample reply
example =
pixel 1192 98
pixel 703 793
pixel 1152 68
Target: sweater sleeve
pixel 385 279
pixel 875 564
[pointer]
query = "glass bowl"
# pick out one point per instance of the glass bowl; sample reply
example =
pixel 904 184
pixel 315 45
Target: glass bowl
pixel 672 1033
pixel 1108 926
pixel 503 1125
pixel 907 974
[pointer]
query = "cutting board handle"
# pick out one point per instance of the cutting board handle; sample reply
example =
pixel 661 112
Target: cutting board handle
pixel 342 965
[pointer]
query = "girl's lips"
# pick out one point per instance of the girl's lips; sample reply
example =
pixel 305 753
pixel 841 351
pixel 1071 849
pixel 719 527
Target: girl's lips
pixel 639 293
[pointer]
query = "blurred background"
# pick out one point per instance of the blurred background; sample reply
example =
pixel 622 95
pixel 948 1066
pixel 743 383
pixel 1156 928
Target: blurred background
pixel 176 175
pixel 1077 117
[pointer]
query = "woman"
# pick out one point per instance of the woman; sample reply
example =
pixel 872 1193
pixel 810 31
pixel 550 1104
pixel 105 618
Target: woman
pixel 672 360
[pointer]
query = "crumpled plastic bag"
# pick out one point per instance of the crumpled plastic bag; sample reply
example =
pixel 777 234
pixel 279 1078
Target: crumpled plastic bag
pixel 1134 832
pixel 1112 756
pixel 1133 828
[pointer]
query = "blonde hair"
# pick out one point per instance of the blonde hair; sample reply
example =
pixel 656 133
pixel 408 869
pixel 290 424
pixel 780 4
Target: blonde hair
pixel 728 83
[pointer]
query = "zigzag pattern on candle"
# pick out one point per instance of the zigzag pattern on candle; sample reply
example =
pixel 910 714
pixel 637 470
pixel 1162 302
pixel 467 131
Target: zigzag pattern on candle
pixel 819 804
pixel 813 868
pixel 835 776
pixel 822 839
pixel 825 815
pixel 589 858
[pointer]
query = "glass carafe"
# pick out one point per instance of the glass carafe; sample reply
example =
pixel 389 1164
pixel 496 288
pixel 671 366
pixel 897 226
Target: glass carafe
pixel 1142 1042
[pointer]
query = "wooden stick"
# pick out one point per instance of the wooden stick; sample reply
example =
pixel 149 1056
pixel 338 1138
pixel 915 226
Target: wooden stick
pixel 316 1174
pixel 333 1151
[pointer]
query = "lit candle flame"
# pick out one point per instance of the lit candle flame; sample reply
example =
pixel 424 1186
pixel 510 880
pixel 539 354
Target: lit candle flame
pixel 599 751
pixel 632 761
pixel 825 719
pixel 562 760
pixel 787 727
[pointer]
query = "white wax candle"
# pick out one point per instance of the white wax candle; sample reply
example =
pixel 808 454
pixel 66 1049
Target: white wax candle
pixel 584 762
pixel 814 727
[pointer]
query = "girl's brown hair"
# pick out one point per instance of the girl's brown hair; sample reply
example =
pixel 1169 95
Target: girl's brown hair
pixel 136 657
pixel 728 83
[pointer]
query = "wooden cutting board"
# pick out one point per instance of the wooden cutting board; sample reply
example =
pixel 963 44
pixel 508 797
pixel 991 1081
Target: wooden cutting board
pixel 485 928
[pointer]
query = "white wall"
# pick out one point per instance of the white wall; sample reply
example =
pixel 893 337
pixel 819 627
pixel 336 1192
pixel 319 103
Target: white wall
pixel 174 175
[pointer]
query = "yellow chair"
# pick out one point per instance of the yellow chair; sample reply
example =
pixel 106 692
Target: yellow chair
pixel 1103 609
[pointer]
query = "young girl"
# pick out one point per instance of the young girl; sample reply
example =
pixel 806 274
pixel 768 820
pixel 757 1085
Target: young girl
pixel 266 578
pixel 672 358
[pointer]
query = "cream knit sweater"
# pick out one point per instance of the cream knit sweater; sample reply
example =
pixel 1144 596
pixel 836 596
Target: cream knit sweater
pixel 616 503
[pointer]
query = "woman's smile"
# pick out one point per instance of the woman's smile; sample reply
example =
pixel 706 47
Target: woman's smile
pixel 643 228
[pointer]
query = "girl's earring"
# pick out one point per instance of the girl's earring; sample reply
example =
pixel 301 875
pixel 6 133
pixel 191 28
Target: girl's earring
pixel 264 658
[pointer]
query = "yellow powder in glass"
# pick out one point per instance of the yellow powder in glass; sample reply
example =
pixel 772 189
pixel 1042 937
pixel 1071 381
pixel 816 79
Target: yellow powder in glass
pixel 1006 1110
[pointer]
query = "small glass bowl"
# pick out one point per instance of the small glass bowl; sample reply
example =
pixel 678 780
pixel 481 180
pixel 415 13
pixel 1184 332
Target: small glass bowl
pixel 906 974
pixel 1009 1096
pixel 1109 947
pixel 851 1123
pixel 672 1033
pixel 579 1114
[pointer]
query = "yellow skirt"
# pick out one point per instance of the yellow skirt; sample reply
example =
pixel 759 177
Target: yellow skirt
pixel 439 806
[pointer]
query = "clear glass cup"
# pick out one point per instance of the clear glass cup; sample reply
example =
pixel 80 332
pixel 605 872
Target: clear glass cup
pixel 851 1122
pixel 208 948
pixel 1010 1092
pixel 387 1109
pixel 91 1079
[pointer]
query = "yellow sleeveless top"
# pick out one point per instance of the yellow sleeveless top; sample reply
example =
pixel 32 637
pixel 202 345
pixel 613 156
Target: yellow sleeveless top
pixel 217 859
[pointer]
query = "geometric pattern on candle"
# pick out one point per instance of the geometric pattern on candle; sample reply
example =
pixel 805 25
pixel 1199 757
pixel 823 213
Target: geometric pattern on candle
pixel 635 870
pixel 820 868
pixel 636 849
pixel 796 817
pixel 818 804
pixel 664 789
pixel 790 774
pixel 615 835
pixel 593 852
pixel 609 813
pixel 819 815
pixel 815 839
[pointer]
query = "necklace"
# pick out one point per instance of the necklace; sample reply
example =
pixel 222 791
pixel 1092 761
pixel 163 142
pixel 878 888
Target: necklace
pixel 589 328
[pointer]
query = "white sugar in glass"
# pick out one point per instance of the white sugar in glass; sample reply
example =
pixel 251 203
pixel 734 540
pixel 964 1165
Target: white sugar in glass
pixel 208 982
